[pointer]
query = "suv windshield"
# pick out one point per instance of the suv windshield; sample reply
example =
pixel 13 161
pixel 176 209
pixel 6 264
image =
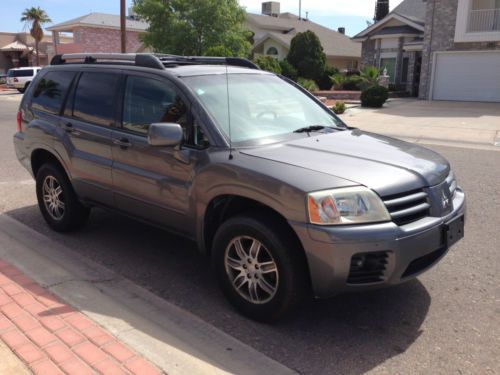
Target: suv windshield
pixel 261 105
pixel 20 73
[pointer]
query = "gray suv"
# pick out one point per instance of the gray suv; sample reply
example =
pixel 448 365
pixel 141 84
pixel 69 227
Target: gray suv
pixel 287 200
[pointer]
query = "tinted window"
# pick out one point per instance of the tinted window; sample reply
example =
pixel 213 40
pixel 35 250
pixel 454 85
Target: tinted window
pixel 95 98
pixel 50 91
pixel 20 73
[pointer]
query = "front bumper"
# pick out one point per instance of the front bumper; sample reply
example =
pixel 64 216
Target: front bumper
pixel 408 250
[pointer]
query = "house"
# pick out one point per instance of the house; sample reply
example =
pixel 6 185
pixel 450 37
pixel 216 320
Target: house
pixel 439 49
pixel 96 32
pixel 18 49
pixel 273 32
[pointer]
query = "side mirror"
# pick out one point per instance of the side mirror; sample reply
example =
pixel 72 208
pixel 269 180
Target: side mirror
pixel 165 134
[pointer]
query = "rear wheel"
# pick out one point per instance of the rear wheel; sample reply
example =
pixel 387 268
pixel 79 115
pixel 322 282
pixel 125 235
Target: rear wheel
pixel 24 88
pixel 259 266
pixel 57 201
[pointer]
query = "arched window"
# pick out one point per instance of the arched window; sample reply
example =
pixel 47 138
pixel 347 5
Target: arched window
pixel 273 51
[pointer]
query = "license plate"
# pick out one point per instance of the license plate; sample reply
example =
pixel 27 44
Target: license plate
pixel 454 230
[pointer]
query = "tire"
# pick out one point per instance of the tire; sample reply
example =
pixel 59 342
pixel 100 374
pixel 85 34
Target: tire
pixel 72 214
pixel 22 90
pixel 277 245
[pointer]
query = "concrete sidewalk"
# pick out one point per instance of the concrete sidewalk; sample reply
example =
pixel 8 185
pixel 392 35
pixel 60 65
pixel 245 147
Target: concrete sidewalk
pixel 461 124
pixel 174 340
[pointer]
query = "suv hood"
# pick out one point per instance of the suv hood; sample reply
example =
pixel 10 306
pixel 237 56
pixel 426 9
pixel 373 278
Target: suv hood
pixel 384 164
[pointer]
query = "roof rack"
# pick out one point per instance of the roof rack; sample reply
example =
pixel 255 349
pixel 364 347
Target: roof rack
pixel 149 60
pixel 190 60
pixel 146 60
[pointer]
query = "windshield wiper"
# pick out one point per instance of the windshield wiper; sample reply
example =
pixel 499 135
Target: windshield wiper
pixel 309 129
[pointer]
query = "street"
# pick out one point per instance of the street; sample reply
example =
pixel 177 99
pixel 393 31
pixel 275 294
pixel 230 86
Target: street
pixel 445 322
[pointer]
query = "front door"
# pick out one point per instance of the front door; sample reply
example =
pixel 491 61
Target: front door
pixel 153 182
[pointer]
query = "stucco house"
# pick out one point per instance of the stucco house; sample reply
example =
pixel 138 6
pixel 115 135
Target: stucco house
pixel 96 32
pixel 273 32
pixel 439 49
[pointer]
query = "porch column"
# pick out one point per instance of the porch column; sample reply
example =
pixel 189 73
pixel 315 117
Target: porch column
pixel 411 71
pixel 399 62
pixel 378 43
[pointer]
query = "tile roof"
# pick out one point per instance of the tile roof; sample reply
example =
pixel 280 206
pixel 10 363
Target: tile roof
pixel 101 20
pixel 287 25
pixel 412 9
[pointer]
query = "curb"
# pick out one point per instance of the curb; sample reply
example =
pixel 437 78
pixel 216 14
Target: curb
pixel 173 339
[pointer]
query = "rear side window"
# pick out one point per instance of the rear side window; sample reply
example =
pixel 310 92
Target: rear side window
pixel 95 98
pixel 50 91
pixel 20 73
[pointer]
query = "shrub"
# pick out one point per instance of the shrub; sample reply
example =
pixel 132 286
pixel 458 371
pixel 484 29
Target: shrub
pixel 308 84
pixel 288 70
pixel 352 83
pixel 344 82
pixel 325 81
pixel 339 108
pixel 307 56
pixel 374 96
pixel 369 76
pixel 269 64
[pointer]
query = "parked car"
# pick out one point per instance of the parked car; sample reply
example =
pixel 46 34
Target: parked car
pixel 3 78
pixel 20 78
pixel 285 198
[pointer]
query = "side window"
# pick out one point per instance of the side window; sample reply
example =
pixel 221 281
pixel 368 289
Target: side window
pixel 148 100
pixel 50 91
pixel 94 98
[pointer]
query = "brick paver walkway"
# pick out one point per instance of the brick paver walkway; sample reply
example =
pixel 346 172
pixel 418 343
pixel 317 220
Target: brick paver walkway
pixel 51 337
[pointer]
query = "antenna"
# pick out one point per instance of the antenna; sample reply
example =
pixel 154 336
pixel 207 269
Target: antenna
pixel 229 115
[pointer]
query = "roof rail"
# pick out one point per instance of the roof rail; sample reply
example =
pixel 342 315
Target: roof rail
pixel 187 60
pixel 146 60
pixel 149 60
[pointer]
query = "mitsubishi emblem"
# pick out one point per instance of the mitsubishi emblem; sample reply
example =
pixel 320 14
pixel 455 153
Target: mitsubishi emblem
pixel 444 199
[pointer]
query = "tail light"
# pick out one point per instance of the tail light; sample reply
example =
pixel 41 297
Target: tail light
pixel 16 80
pixel 19 119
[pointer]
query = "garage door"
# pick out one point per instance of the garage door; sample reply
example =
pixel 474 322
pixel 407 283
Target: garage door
pixel 468 76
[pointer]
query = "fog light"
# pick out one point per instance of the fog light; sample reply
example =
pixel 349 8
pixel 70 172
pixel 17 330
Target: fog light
pixel 358 261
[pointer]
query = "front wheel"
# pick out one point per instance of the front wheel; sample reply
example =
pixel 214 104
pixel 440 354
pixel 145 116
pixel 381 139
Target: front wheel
pixel 259 266
pixel 57 201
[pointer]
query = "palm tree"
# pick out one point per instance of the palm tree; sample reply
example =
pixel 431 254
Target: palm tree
pixel 34 18
pixel 370 75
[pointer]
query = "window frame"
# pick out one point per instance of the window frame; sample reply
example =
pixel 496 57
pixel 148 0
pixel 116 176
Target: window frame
pixel 70 100
pixel 192 118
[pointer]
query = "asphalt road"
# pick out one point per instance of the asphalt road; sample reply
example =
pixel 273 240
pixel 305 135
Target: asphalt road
pixel 445 322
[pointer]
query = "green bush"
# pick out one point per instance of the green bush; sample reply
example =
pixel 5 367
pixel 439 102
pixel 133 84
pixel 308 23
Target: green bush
pixel 288 70
pixel 308 84
pixel 307 55
pixel 374 96
pixel 325 81
pixel 339 108
pixel 269 64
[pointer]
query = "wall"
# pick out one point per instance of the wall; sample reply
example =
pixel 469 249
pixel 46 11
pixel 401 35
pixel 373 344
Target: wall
pixel 344 63
pixel 440 36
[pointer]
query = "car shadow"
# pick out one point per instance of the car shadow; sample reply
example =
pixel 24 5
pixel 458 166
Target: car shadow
pixel 348 334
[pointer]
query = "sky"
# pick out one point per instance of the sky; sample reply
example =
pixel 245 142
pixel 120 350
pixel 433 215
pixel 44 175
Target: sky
pixel 351 14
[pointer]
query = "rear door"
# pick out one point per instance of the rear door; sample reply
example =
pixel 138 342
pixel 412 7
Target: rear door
pixel 153 182
pixel 87 125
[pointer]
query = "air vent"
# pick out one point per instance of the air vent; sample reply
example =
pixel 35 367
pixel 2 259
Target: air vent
pixel 407 207
pixel 367 268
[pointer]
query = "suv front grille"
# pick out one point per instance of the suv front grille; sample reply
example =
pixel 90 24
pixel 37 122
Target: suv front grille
pixel 367 268
pixel 407 207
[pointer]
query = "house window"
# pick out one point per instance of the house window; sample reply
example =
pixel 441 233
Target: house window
pixel 404 70
pixel 272 51
pixel 390 65
pixel 484 16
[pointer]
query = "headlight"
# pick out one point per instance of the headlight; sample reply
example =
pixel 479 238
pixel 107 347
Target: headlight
pixel 351 205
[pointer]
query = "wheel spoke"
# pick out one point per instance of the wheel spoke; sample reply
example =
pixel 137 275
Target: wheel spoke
pixel 46 198
pixel 254 249
pixel 252 291
pixel 239 249
pixel 239 281
pixel 268 267
pixel 265 286
pixel 58 191
pixel 234 263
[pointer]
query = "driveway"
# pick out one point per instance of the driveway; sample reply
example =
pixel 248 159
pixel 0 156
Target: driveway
pixel 463 124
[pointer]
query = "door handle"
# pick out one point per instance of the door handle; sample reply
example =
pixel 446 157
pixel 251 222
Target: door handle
pixel 69 129
pixel 122 142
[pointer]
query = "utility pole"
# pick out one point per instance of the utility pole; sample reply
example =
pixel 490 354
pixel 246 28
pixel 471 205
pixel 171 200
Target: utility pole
pixel 300 9
pixel 123 30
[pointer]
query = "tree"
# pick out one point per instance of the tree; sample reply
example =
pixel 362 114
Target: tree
pixel 269 64
pixel 34 18
pixel 369 76
pixel 194 27
pixel 381 9
pixel 307 56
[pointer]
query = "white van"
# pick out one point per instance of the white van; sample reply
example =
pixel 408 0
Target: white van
pixel 20 78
